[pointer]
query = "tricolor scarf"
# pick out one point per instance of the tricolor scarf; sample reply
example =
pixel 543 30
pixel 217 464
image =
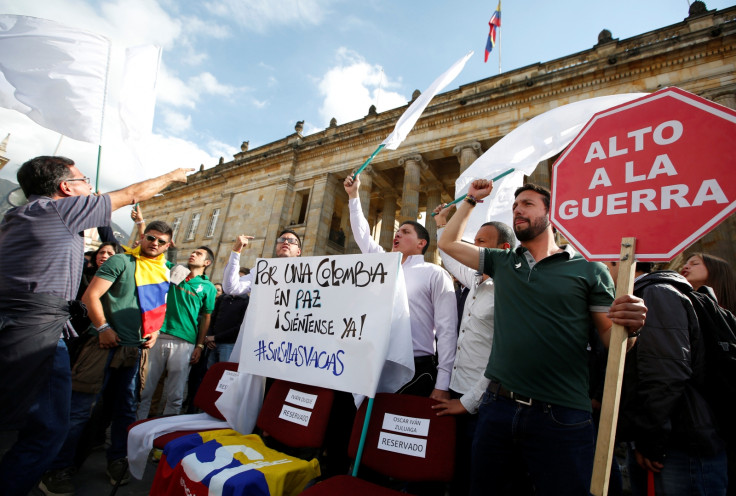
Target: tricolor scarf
pixel 152 282
pixel 225 463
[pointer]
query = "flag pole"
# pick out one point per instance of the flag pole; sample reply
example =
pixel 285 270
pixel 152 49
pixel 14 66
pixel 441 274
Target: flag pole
pixel 499 40
pixel 365 164
pixel 102 120
pixel 363 435
pixel 458 200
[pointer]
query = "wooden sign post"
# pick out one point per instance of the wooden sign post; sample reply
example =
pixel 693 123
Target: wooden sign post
pixel 614 375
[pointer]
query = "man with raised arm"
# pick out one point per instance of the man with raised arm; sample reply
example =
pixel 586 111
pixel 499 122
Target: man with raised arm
pixel 547 297
pixel 432 303
pixel 42 244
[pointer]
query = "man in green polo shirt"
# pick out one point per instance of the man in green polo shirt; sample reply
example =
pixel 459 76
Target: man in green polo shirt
pixel 536 411
pixel 181 341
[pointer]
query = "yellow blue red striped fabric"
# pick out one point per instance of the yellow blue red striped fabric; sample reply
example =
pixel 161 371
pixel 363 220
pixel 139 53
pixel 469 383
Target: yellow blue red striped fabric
pixel 152 283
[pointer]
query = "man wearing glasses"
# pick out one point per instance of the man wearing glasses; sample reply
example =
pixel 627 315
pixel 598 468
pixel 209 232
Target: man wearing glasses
pixel 41 244
pixel 181 341
pixel 288 244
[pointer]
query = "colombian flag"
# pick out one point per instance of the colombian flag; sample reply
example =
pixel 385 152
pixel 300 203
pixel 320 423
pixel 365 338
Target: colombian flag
pixel 152 283
pixel 227 463
pixel 494 23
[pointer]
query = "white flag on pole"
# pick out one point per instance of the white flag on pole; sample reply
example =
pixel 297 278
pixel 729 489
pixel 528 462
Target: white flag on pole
pixel 138 91
pixel 411 115
pixel 522 149
pixel 54 74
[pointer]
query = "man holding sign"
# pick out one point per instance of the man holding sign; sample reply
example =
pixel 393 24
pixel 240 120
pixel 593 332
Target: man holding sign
pixel 432 304
pixel 546 300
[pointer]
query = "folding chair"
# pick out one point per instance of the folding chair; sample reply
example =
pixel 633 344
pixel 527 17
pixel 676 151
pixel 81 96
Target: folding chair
pixel 406 440
pixel 295 415
pixel 205 399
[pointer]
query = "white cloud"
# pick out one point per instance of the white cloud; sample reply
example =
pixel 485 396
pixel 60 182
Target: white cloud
pixel 219 149
pixel 176 122
pixel 352 86
pixel 207 83
pixel 259 104
pixel 260 15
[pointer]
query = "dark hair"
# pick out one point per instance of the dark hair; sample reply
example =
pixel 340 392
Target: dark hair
pixel 160 226
pixel 210 255
pixel 645 267
pixel 721 278
pixel 537 189
pixel 244 270
pixel 291 231
pixel 422 232
pixel 505 234
pixel 118 249
pixel 42 175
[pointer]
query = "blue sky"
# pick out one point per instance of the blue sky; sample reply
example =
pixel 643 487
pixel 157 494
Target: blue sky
pixel 235 70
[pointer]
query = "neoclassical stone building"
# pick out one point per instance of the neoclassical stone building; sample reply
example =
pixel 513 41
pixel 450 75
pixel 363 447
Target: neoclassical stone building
pixel 297 181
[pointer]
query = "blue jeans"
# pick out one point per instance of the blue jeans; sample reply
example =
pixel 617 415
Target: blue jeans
pixel 554 444
pixel 123 382
pixel 43 434
pixel 682 475
pixel 220 354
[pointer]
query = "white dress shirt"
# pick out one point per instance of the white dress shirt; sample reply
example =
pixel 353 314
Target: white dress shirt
pixel 476 333
pixel 432 303
pixel 232 283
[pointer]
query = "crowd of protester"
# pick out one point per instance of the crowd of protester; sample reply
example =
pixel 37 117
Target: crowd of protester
pixel 518 360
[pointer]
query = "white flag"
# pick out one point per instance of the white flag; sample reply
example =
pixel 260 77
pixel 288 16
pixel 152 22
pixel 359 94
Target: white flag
pixel 411 115
pixel 138 91
pixel 522 149
pixel 54 74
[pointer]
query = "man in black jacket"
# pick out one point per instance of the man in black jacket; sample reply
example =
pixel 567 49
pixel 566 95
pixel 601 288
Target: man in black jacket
pixel 670 426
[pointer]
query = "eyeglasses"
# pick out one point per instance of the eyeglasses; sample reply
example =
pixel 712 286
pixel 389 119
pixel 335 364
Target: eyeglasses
pixel 151 239
pixel 85 179
pixel 291 241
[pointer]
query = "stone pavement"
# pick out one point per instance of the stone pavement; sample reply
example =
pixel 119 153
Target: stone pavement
pixel 91 479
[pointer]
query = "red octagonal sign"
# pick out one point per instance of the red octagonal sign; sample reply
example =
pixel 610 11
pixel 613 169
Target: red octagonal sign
pixel 659 168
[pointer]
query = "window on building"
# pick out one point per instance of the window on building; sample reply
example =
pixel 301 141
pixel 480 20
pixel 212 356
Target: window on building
pixel 213 223
pixel 175 227
pixel 193 226
pixel 301 203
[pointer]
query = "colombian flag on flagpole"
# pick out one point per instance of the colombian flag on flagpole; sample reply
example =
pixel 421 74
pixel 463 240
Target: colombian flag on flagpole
pixel 494 24
pixel 152 283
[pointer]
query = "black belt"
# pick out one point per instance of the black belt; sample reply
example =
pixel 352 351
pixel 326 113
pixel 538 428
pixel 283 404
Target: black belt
pixel 424 360
pixel 496 388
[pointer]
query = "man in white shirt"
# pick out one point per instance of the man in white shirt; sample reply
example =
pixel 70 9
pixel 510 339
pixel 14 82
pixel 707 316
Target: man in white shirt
pixel 432 304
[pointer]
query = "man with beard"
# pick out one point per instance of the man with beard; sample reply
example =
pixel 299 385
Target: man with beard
pixel 115 299
pixel 536 410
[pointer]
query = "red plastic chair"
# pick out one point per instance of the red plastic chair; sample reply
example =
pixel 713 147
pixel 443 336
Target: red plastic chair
pixel 205 399
pixel 438 463
pixel 288 406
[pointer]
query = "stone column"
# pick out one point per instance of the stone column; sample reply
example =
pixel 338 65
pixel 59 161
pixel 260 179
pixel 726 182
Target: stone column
pixel 388 219
pixel 364 194
pixel 412 181
pixel 541 176
pixel 467 153
pixel 320 215
pixel 434 198
pixel 280 209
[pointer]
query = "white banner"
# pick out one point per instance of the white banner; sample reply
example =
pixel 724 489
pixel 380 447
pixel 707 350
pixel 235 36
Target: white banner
pixel 323 321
